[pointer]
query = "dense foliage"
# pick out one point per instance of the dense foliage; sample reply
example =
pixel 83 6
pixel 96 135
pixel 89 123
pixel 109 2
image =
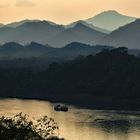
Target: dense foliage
pixel 110 79
pixel 20 128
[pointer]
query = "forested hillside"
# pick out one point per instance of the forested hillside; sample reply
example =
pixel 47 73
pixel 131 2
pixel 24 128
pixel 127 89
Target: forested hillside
pixel 110 79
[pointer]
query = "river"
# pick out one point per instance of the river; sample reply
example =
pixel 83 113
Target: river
pixel 79 123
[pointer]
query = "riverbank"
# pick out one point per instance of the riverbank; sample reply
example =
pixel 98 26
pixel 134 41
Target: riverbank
pixel 79 123
pixel 90 102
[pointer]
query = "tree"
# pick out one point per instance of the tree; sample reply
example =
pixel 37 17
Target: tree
pixel 20 128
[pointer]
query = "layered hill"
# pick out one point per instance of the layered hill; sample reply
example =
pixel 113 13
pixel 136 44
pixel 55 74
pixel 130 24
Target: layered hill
pixel 92 31
pixel 110 20
pixel 1 25
pixel 88 25
pixel 128 36
pixel 14 50
pixel 78 33
pixel 45 32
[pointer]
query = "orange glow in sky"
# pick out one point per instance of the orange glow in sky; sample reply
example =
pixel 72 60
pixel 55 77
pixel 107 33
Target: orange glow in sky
pixel 63 11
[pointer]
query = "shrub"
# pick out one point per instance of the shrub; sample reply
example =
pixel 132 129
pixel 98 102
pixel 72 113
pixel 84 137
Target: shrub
pixel 21 128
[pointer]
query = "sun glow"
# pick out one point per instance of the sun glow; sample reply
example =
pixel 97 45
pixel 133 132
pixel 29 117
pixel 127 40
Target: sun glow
pixel 63 11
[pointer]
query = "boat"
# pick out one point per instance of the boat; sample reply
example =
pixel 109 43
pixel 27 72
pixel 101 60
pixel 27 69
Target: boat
pixel 60 107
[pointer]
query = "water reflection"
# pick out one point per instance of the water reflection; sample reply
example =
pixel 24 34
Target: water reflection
pixel 117 126
pixel 78 123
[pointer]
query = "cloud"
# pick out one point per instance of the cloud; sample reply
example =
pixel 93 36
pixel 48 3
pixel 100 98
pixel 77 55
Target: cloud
pixel 25 3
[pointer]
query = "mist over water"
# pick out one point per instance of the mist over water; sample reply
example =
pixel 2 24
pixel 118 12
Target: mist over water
pixel 79 123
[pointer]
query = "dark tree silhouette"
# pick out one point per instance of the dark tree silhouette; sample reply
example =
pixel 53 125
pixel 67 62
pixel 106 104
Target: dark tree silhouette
pixel 20 128
pixel 107 80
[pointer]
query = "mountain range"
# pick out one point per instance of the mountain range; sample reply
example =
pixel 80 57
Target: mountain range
pixel 1 25
pixel 108 28
pixel 128 35
pixel 71 25
pixel 14 50
pixel 106 21
pixel 46 33
pixel 78 33
pixel 110 20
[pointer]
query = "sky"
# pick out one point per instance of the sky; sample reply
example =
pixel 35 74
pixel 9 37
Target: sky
pixel 63 11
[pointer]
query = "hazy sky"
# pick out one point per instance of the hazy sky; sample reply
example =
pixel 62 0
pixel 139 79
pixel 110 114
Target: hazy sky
pixel 63 11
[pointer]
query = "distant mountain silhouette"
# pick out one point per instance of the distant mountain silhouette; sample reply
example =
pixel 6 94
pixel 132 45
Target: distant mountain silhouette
pixel 110 20
pixel 78 33
pixel 18 23
pixel 40 32
pixel 38 56
pixel 14 50
pixel 11 46
pixel 128 35
pixel 76 49
pixel 91 31
pixel 36 46
pixel 45 32
pixel 71 25
pixel 6 34
pixel 1 25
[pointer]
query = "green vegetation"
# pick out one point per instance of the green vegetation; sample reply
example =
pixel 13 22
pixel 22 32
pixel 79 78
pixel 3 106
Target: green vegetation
pixel 107 80
pixel 20 128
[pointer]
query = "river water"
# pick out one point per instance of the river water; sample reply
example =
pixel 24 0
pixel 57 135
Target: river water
pixel 79 123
